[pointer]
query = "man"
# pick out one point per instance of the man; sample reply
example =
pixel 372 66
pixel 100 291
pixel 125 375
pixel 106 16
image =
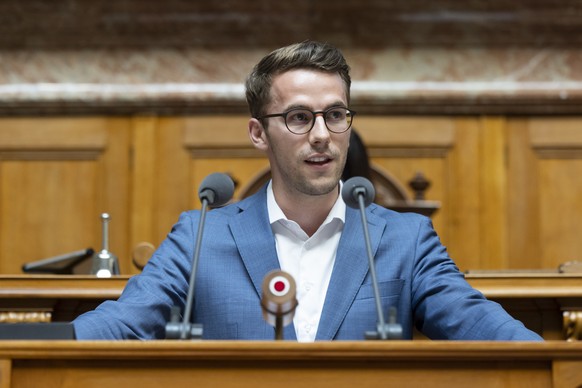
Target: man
pixel 299 101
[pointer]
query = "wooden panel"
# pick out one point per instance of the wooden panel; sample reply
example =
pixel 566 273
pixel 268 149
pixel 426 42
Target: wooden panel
pixel 216 132
pixel 523 221
pixel 556 132
pixel 327 374
pixel 560 211
pixel 221 144
pixel 545 169
pixel 566 374
pixel 407 131
pixel 509 187
pixel 160 178
pixel 172 174
pixel 323 364
pixel 242 171
pixel 143 182
pixel 462 230
pixel 42 204
pixel 171 158
pixel 52 134
pixel 403 146
pixel 493 187
pixel 5 373
pixel 57 175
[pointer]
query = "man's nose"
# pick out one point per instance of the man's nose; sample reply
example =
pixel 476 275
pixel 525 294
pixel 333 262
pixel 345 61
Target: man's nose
pixel 319 130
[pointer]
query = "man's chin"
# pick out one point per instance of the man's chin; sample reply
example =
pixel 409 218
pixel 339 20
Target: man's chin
pixel 321 188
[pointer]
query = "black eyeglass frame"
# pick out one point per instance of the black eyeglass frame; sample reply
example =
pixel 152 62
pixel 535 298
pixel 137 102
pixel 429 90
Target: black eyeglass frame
pixel 350 112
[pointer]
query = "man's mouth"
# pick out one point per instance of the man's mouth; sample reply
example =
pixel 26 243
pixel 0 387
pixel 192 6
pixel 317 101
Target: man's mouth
pixel 318 160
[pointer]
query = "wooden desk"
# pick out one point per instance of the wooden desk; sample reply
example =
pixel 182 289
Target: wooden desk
pixel 41 298
pixel 550 304
pixel 125 364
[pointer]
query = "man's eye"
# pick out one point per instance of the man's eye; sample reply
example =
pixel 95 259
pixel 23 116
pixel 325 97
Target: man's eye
pixel 336 115
pixel 298 117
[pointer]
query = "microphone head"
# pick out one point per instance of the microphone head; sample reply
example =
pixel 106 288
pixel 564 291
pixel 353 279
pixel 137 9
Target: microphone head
pixel 217 189
pixel 279 297
pixel 356 186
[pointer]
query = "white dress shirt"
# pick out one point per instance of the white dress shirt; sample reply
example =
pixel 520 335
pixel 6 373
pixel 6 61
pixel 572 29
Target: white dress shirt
pixel 308 259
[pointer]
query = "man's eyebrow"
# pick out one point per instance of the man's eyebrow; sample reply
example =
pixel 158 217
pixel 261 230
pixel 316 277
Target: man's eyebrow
pixel 336 104
pixel 297 106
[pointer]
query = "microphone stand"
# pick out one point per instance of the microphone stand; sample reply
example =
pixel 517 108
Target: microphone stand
pixel 391 330
pixel 194 330
pixel 215 190
pixel 381 325
pixel 187 329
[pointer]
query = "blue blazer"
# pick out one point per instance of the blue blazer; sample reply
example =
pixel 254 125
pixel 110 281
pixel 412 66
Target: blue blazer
pixel 414 272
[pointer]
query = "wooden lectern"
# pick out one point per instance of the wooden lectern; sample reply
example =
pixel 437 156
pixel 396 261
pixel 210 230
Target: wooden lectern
pixel 168 364
pixel 539 300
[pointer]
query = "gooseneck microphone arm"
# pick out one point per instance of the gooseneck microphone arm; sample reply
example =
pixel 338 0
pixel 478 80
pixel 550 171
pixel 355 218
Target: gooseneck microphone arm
pixel 358 192
pixel 186 330
pixel 216 190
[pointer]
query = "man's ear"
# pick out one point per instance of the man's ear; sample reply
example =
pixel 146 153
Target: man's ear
pixel 257 135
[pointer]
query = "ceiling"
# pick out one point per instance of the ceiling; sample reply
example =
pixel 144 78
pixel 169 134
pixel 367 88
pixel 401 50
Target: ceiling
pixel 234 23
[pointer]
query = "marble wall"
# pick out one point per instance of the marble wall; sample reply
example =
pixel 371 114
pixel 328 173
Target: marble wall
pixel 178 56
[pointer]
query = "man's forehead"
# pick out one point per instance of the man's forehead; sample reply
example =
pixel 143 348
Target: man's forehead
pixel 304 83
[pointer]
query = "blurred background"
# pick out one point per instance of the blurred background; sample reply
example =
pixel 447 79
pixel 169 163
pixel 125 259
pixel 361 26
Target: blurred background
pixel 125 106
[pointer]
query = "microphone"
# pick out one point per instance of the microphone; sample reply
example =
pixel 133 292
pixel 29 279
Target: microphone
pixel 279 300
pixel 105 263
pixel 358 193
pixel 61 264
pixel 215 190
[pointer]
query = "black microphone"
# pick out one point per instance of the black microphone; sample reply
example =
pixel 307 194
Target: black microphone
pixel 356 188
pixel 358 193
pixel 61 264
pixel 279 300
pixel 215 190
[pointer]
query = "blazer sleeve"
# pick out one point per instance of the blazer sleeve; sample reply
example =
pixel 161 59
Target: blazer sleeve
pixel 142 310
pixel 445 306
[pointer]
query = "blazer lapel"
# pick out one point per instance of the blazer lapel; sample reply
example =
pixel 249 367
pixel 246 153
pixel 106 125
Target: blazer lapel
pixel 349 271
pixel 254 238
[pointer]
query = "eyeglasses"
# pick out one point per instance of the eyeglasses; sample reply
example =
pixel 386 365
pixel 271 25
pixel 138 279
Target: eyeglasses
pixel 300 121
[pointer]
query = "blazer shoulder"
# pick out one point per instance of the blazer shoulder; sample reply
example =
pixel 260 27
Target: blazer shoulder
pixel 392 216
pixel 232 208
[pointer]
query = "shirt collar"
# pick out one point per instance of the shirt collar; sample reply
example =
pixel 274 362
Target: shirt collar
pixel 276 214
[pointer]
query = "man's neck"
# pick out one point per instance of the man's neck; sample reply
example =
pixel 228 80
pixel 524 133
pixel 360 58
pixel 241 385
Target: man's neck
pixel 308 211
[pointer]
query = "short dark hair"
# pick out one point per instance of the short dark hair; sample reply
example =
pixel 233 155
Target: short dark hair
pixel 304 55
